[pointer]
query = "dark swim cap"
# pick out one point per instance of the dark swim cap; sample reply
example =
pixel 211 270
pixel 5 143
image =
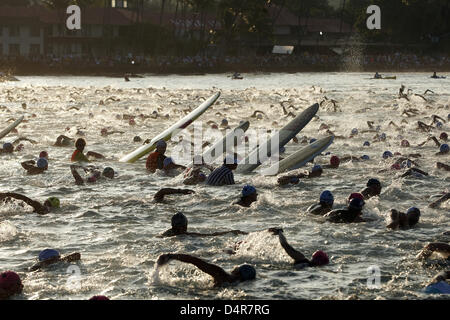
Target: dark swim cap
pixel 247 272
pixel 9 280
pixel 179 220
pixel 443 136
pixel 48 254
pixel 99 298
pixel 413 215
pixel 8 147
pixel 327 197
pixel 108 172
pixel 444 148
pixel 320 258
pixel 373 182
pixel 387 154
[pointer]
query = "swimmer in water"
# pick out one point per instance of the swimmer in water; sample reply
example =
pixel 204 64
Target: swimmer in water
pixel 248 196
pixel 49 205
pixel 324 206
pixel 156 159
pixel 442 166
pixel 443 150
pixel 63 141
pixel 440 247
pixel 414 172
pixel 438 202
pixel 350 215
pixel 377 76
pixel 334 163
pixel 10 284
pixel 239 274
pixel 50 256
pixel 159 196
pixel 319 258
pixel 316 171
pixel 404 221
pixel 170 167
pixel 224 174
pixel 439 284
pixel 95 174
pixel 78 155
pixel 194 174
pixel 33 167
pixel 180 224
pixel 373 189
pixel 7 148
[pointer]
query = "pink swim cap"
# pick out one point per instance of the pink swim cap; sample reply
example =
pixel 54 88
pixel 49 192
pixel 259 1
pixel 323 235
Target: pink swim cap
pixel 43 154
pixel 99 298
pixel 320 258
pixel 334 160
pixel 355 195
pixel 9 280
pixel 396 166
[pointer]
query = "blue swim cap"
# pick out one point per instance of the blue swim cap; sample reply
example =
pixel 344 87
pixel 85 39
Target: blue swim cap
pixel 412 210
pixel 248 190
pixel 383 136
pixel 327 197
pixel 356 203
pixel 247 272
pixel 444 148
pixel 8 146
pixel 167 161
pixel 407 164
pixel 365 157
pixel 387 154
pixel 42 163
pixel 294 180
pixel 354 131
pixel 312 140
pixel 316 167
pixel 282 150
pixel 366 144
pixel 373 182
pixel 438 288
pixel 439 124
pixel 48 254
pixel 161 144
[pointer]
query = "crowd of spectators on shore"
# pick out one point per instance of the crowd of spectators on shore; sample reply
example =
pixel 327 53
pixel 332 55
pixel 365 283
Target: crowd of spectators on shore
pixel 326 62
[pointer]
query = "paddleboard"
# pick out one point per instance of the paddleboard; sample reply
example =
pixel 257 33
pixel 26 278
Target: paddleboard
pixel 284 136
pixel 301 157
pixel 174 129
pixel 10 127
pixel 225 144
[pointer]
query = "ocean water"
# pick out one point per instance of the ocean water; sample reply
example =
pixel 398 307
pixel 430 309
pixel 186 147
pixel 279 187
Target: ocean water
pixel 114 224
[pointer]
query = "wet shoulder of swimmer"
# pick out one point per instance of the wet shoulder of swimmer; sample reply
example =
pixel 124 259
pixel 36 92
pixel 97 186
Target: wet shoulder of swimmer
pixel 325 205
pixel 315 172
pixel 179 227
pixel 49 205
pixel 224 175
pixel 36 167
pixel 194 173
pixel 401 220
pixel 78 155
pixel 51 256
pixel 94 174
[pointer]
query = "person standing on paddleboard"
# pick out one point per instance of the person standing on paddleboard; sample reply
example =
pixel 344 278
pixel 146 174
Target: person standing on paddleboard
pixel 156 159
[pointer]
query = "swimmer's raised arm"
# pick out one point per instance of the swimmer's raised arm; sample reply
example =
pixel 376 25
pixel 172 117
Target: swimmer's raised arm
pixel 159 196
pixel 294 254
pixel 76 175
pixel 38 208
pixel 95 155
pixel 436 203
pixel 432 247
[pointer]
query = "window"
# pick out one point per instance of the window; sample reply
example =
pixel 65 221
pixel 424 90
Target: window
pixel 35 49
pixel 14 31
pixel 14 49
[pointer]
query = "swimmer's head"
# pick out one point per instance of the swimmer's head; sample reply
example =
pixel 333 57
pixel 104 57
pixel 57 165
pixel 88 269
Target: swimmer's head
pixel 43 154
pixel 317 168
pixel 99 298
pixel 48 254
pixel 249 191
pixel 201 177
pixel 444 148
pixel 104 131
pixel 413 215
pixel 179 222
pixel 108 172
pixel 365 157
pixel 383 137
pixel 282 150
pixel 94 177
pixel 8 147
pixel 335 161
pixel 404 143
pixel 10 283
pixel 224 123
pixel 356 204
pixel 439 125
pixel 137 139
pixel 52 202
pixel 387 154
pixel 443 136
pixel 80 144
pixel 407 164
pixel 354 131
pixel 366 144
pixel 245 272
pixel 161 146
pixel 396 166
pixel 355 195
pixel 42 163
pixel 319 258
pixel 326 197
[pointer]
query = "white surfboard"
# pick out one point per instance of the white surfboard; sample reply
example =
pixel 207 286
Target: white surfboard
pixel 252 161
pixel 173 130
pixel 226 143
pixel 10 127
pixel 299 158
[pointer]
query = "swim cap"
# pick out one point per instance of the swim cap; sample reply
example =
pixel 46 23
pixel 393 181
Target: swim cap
pixel 53 201
pixel 8 147
pixel 387 154
pixel 316 168
pixel 43 154
pixel 407 164
pixel 48 254
pixel 99 298
pixel 248 190
pixel 320 258
pixel 131 122
pixel 356 203
pixel 230 160
pixel 224 122
pixel 282 150
pixel 179 220
pixel 108 172
pixel 161 144
pixel 443 136
pixel 383 136
pixel 373 182
pixel 366 144
pixel 365 157
pixel 334 160
pixel 92 178
pixel 312 140
pixel 355 195
pixel 404 143
pixel 103 132
pixel 439 124
pixel 413 215
pixel 294 180
pixel 247 272
pixel 137 139
pixel 42 163
pixel 9 280
pixel 354 131
pixel 167 161
pixel 444 148
pixel 396 166
pixel 326 197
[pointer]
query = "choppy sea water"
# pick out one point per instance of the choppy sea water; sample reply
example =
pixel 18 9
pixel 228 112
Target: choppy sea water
pixel 114 224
